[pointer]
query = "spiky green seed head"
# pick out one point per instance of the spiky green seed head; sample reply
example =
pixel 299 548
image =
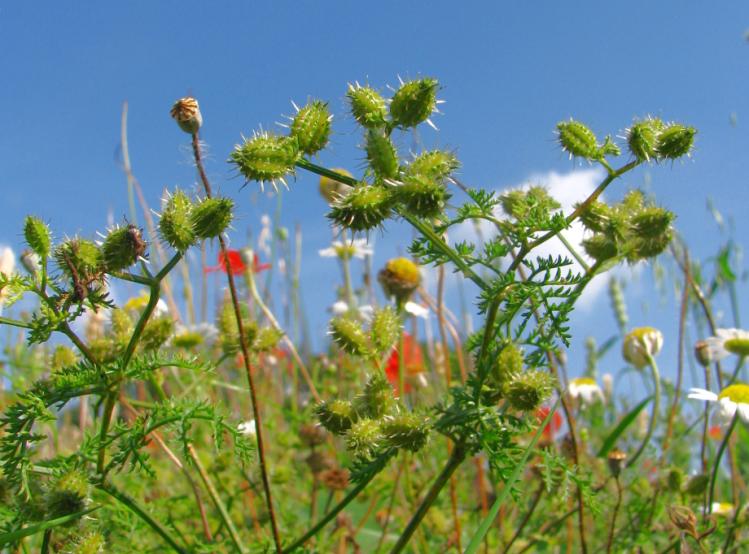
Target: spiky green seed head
pixel 156 333
pixel 399 278
pixel 643 248
pixel 521 204
pixel 175 226
pixel 508 364
pixel 406 430
pixel 104 349
pixel 414 102
pixel 436 165
pixel 67 494
pixel 78 255
pixel 228 331
pixel 92 542
pixel 529 389
pixel 578 140
pixel 38 236
pixel 367 106
pixel 122 248
pixel 331 190
pixel 421 196
pixel 381 155
pixel 211 217
pixel 63 356
pixel 697 485
pixel 267 339
pixel 384 329
pixel 266 157
pixel 596 216
pixel 349 336
pixel 651 222
pixel 311 127
pixel 362 209
pixel 122 323
pixel 337 416
pixel 364 438
pixel 600 247
pixel 377 399
pixel 642 138
pixel 675 141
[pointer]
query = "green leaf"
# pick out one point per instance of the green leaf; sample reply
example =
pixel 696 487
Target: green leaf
pixel 13 536
pixel 626 421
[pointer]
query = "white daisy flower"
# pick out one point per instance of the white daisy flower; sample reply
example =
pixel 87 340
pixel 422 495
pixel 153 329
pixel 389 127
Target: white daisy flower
pixel 356 248
pixel 640 344
pixel 733 397
pixel 416 310
pixel 247 427
pixel 722 509
pixel 727 341
pixel 191 336
pixel 586 389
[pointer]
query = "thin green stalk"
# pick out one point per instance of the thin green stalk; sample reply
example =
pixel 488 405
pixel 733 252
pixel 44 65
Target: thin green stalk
pixel 133 506
pixel 225 517
pixel 46 540
pixel 571 250
pixel 456 458
pixel 14 323
pixel 656 409
pixel 716 464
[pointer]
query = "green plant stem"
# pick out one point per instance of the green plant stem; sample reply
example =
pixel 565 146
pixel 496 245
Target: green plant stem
pixel 656 409
pixel 571 250
pixel 716 464
pixel 610 542
pixel 225 517
pixel 133 506
pixel 104 429
pixel 328 517
pixel 245 355
pixel 45 541
pixel 456 458
pixel 14 323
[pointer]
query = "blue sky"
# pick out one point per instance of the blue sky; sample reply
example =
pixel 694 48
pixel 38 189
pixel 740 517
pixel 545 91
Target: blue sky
pixel 509 72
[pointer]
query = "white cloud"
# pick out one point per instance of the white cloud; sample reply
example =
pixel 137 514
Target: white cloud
pixel 568 189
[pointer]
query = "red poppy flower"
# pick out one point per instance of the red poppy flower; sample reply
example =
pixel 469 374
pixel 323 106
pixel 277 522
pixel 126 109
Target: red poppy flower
pixel 715 432
pixel 236 263
pixel 555 423
pixel 413 362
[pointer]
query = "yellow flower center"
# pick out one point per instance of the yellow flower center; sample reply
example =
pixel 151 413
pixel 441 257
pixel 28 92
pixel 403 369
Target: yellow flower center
pixel 584 381
pixel 738 393
pixel 404 270
pixel 737 346
pixel 642 332
pixel 345 251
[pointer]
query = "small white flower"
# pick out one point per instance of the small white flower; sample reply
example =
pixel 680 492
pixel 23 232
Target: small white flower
pixel 357 248
pixel 161 309
pixel 641 344
pixel 263 238
pixel 727 341
pixel 732 398
pixel 340 308
pixel 247 428
pixel 7 260
pixel 416 310
pixel 586 389
pixel 721 509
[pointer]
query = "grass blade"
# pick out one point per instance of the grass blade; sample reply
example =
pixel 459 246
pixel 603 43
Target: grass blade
pixel 626 421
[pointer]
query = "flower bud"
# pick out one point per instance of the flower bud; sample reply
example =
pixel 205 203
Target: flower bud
pixel 311 127
pixel 266 157
pixel 508 365
pixel 578 140
pixel 63 357
pixel 381 155
pixel 331 190
pixel 703 353
pixel 335 479
pixel 367 106
pixel 175 226
pixel 156 333
pixel 414 102
pixel 364 438
pixel 616 459
pixel 675 141
pixel 405 430
pixel 399 278
pixel 67 494
pixel 37 236
pixel 421 196
pixel 384 329
pixel 122 248
pixel 336 416
pixel 349 336
pixel 684 519
pixel 266 339
pixel 31 261
pixel 641 344
pixel 312 435
pixel 436 165
pixel 186 113
pixel 642 138
pixel 674 479
pixel 362 209
pixel 211 217
pixel 529 389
